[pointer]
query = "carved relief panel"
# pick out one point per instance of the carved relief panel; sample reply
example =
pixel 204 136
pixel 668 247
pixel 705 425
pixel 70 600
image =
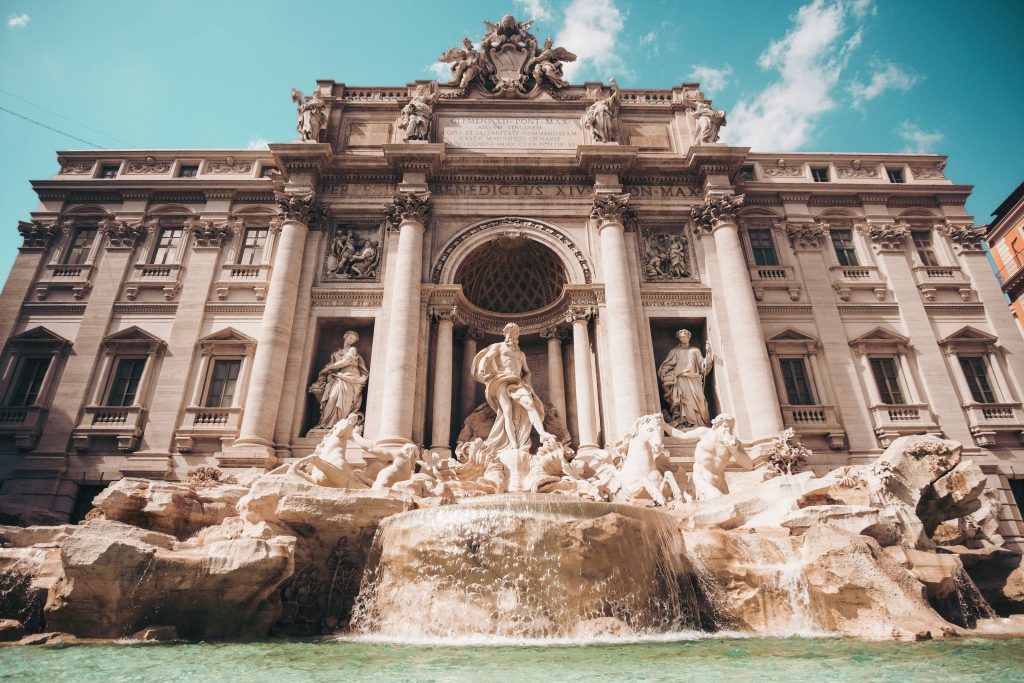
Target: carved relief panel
pixel 665 254
pixel 353 253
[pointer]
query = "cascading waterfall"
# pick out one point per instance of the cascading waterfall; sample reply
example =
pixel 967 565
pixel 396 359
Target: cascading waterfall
pixel 526 566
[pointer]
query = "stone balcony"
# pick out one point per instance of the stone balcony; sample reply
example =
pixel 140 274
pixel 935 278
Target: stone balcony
pixel 763 278
pixel 848 279
pixel 986 420
pixel 123 423
pixel 932 279
pixel 816 419
pixel 216 423
pixel 77 278
pixel 236 276
pixel 165 277
pixel 895 420
pixel 24 423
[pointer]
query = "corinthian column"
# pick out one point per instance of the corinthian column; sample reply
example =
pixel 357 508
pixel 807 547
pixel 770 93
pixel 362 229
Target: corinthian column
pixel 256 433
pixel 442 412
pixel 718 215
pixel 467 390
pixel 407 213
pixel 611 211
pixel 583 373
pixel 556 379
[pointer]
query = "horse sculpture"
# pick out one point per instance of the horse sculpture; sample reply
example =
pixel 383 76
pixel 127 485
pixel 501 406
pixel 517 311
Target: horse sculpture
pixel 644 471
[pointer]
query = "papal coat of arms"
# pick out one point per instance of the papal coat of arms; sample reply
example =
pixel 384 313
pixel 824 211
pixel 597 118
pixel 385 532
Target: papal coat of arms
pixel 508 61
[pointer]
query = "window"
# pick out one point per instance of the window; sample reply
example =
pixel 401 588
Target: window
pixel 29 381
pixel 888 381
pixel 747 173
pixel 762 247
pixel 924 246
pixel 125 385
pixel 167 245
pixel 188 171
pixel 795 378
pixel 108 171
pixel 223 379
pixel 268 171
pixel 80 247
pixel 895 175
pixel 842 242
pixel 252 246
pixel 819 175
pixel 976 374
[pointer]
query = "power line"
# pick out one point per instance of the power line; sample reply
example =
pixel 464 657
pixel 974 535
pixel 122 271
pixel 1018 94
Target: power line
pixel 77 123
pixel 43 125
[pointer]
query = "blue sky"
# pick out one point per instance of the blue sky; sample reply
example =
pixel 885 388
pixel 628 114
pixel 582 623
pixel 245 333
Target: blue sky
pixel 817 75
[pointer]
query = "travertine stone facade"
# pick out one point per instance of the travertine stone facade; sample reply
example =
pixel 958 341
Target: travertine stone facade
pixel 170 309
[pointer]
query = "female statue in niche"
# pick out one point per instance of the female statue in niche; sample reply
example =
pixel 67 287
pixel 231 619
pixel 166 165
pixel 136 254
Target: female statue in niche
pixel 339 386
pixel 682 377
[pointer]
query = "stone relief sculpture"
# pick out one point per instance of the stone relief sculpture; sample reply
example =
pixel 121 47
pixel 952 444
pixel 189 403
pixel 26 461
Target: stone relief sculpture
pixel 547 65
pixel 502 369
pixel 339 386
pixel 600 118
pixel 311 116
pixel 707 122
pixel 466 64
pixel 352 255
pixel 682 376
pixel 717 446
pixel 419 113
pixel 666 256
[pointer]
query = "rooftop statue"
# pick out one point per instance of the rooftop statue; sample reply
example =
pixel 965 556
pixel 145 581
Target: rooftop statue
pixel 311 116
pixel 466 64
pixel 707 120
pixel 419 113
pixel 600 118
pixel 547 65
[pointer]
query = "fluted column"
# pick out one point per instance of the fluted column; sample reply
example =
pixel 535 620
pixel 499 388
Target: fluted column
pixel 408 213
pixel 267 379
pixel 467 390
pixel 442 411
pixel 611 211
pixel 583 373
pixel 556 376
pixel 718 215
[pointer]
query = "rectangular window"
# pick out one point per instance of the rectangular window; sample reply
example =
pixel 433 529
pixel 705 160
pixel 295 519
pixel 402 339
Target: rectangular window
pixel 762 247
pixel 842 242
pixel 167 245
pixel 81 245
pixel 252 246
pixel 223 379
pixel 108 171
pixel 819 175
pixel 924 246
pixel 976 373
pixel 188 171
pixel 747 173
pixel 798 386
pixel 125 386
pixel 888 380
pixel 29 382
pixel 895 175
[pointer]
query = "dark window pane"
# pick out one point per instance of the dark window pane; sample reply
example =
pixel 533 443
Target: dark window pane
pixel 976 374
pixel 762 247
pixel 747 173
pixel 842 242
pixel 223 379
pixel 167 245
pixel 108 171
pixel 819 175
pixel 29 381
pixel 126 381
pixel 81 245
pixel 252 246
pixel 925 249
pixel 798 387
pixel 190 171
pixel 895 175
pixel 888 381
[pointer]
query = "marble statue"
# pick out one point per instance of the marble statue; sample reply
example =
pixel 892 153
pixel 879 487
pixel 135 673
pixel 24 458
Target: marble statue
pixel 717 446
pixel 351 257
pixel 327 465
pixel 502 369
pixel 599 119
pixel 682 376
pixel 339 386
pixel 708 122
pixel 547 65
pixel 418 114
pixel 400 463
pixel 466 64
pixel 311 116
pixel 640 467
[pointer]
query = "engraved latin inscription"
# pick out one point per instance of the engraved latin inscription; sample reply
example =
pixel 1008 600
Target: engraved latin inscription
pixel 519 132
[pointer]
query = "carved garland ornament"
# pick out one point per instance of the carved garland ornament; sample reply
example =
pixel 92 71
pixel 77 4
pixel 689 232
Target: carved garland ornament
pixel 75 167
pixel 780 169
pixel 715 210
pixel 857 170
pixel 613 209
pixel 150 165
pixel 229 166
pixel 890 237
pixel 121 234
pixel 928 172
pixel 37 235
pixel 410 207
pixel 806 235
pixel 301 207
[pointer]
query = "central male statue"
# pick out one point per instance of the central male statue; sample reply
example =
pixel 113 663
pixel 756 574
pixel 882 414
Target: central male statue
pixel 502 369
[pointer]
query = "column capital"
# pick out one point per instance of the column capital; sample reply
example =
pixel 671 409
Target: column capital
pixel 38 234
pixel 579 312
pixel 553 333
pixel 408 207
pixel 122 234
pixel 965 238
pixel 470 333
pixel 208 233
pixel 806 236
pixel 301 207
pixel 887 236
pixel 715 212
pixel 443 313
pixel 613 209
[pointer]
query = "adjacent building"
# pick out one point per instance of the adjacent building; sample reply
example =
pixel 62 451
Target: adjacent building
pixel 1005 239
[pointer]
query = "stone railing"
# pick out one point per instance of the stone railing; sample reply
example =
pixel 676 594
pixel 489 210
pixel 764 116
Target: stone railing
pixel 932 279
pixel 847 279
pixel 893 420
pixel 123 423
pixel 218 423
pixel 987 419
pixel 774 277
pixel 24 423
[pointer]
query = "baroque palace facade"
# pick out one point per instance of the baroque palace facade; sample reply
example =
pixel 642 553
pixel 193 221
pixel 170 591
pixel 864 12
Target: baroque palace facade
pixel 176 308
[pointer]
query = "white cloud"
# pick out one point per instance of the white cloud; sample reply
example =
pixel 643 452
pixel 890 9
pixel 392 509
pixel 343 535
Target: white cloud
pixel 258 143
pixel 711 80
pixel 918 140
pixel 441 71
pixel 648 38
pixel 886 76
pixel 809 60
pixel 534 9
pixel 591 30
pixel 18 20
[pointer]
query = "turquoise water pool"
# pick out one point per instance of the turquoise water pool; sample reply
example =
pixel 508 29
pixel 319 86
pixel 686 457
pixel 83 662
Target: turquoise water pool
pixel 736 659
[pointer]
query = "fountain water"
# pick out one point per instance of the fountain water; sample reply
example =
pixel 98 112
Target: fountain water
pixel 526 566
